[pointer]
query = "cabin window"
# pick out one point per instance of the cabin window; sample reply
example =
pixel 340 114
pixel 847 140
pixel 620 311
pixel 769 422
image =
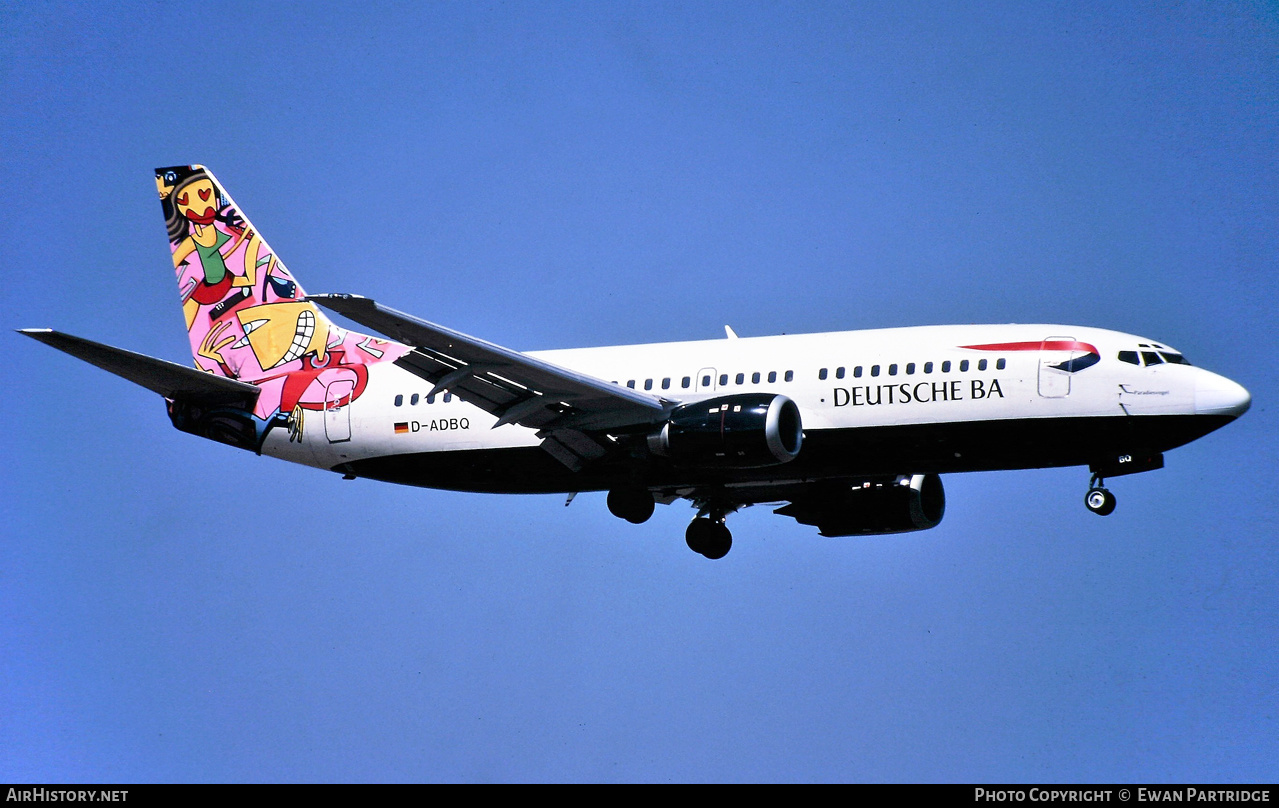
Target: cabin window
pixel 772 375
pixel 723 380
pixel 981 364
pixel 448 397
pixel 413 399
pixel 839 373
pixel 755 377
pixel 874 370
pixel 648 384
pixel 1000 364
pixel 892 370
pixel 790 375
pixel 928 367
pixel 857 372
pixel 821 374
pixel 631 384
pixel 399 401
pixel 431 398
pixel 686 382
pixel 910 369
pixel 706 381
pixel 741 378
pixel 963 366
pixel 945 366
pixel 666 383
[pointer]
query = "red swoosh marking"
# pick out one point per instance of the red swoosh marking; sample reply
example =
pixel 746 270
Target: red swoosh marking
pixel 1042 345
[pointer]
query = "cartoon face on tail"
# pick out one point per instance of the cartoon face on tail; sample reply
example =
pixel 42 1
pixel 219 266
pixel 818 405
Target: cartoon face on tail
pixel 279 333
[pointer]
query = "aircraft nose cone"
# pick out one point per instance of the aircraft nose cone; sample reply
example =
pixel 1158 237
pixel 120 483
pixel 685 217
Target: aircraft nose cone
pixel 1217 395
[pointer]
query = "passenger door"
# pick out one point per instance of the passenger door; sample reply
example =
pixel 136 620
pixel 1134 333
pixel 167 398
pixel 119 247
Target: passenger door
pixel 337 415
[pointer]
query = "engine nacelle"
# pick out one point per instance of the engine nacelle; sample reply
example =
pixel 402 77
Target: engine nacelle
pixel 742 431
pixel 903 505
pixel 233 426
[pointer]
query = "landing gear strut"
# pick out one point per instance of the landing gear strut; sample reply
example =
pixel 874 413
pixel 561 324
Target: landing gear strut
pixel 1099 500
pixel 708 536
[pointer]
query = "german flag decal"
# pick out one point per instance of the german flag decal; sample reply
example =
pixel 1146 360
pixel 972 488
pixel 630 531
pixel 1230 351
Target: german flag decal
pixel 401 427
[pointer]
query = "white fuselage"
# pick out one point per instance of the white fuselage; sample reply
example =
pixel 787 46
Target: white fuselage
pixel 853 380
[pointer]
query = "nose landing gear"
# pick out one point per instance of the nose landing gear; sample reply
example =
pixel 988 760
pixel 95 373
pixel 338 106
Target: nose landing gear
pixel 1099 500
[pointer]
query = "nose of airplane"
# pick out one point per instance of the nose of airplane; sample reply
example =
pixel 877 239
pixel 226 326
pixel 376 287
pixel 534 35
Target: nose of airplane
pixel 1217 395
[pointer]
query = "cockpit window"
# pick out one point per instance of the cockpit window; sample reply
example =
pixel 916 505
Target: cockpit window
pixel 1152 357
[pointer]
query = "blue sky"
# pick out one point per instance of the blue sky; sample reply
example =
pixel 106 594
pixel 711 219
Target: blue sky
pixel 550 175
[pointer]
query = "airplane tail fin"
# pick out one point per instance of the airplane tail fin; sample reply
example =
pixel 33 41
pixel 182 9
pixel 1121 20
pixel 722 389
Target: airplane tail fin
pixel 246 315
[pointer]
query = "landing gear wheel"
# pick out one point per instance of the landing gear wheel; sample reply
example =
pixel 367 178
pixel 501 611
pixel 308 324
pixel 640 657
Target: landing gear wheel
pixel 635 505
pixel 696 534
pixel 1100 501
pixel 708 537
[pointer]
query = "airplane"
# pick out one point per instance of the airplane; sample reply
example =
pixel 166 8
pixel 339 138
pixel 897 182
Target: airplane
pixel 848 432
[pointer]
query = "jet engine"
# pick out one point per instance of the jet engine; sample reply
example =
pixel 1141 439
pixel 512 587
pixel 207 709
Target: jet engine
pixel 233 426
pixel 900 505
pixel 741 431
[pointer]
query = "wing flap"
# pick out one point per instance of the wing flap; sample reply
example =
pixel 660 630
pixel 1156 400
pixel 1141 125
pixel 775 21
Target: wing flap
pixel 169 379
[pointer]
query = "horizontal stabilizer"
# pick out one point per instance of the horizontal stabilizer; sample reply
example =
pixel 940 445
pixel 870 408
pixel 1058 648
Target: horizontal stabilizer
pixel 169 379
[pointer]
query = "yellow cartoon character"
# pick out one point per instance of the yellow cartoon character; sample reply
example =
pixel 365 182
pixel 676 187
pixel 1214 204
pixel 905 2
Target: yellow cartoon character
pixel 279 333
pixel 202 226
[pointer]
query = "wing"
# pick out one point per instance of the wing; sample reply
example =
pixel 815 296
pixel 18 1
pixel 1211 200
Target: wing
pixel 565 406
pixel 169 379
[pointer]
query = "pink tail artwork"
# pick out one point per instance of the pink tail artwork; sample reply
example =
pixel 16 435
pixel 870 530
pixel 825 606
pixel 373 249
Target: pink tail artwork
pixel 247 319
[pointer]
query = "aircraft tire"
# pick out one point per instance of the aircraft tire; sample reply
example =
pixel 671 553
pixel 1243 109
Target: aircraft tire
pixel 708 538
pixel 635 505
pixel 721 541
pixel 1100 501
pixel 695 535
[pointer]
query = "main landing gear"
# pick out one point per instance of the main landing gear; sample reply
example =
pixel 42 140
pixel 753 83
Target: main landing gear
pixel 635 505
pixel 1099 500
pixel 708 536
